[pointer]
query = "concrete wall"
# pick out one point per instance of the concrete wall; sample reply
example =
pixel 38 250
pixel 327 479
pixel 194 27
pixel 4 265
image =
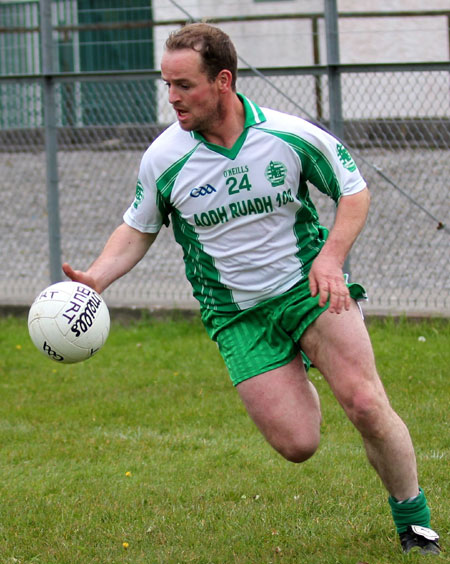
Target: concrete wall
pixel 289 42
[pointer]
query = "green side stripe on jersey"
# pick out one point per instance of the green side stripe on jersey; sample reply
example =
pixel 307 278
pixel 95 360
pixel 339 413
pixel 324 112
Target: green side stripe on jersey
pixel 316 167
pixel 318 170
pixel 200 268
pixel 166 180
pixel 308 246
pixel 164 184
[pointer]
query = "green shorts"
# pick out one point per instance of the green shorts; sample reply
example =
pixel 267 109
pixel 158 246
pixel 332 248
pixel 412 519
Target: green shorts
pixel 266 335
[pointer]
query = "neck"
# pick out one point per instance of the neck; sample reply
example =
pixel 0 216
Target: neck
pixel 228 127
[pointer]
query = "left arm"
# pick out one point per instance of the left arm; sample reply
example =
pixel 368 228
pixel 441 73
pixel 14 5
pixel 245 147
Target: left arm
pixel 326 276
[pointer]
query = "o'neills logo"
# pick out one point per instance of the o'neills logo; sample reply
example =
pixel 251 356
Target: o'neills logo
pixel 276 173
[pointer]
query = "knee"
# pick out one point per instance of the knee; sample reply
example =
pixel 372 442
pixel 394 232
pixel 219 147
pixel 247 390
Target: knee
pixel 369 412
pixel 300 449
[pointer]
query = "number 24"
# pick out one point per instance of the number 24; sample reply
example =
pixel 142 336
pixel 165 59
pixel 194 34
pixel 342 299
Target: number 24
pixel 234 187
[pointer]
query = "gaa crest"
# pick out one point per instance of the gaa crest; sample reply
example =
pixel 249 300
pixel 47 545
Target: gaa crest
pixel 276 173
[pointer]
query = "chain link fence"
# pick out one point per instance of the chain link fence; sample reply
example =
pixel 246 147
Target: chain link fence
pixel 396 124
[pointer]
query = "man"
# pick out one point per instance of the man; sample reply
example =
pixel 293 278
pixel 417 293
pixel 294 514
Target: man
pixel 233 178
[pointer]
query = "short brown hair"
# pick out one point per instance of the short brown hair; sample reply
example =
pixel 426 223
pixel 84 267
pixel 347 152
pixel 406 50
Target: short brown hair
pixel 214 46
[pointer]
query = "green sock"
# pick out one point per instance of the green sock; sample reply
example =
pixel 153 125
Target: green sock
pixel 410 512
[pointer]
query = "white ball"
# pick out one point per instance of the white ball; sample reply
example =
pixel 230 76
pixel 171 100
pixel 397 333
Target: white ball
pixel 68 322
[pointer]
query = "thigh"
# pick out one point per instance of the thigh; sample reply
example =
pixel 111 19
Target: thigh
pixel 340 347
pixel 285 407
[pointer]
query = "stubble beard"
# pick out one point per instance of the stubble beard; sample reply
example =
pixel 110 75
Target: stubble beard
pixel 208 123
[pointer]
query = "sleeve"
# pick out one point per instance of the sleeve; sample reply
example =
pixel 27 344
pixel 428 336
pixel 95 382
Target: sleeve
pixel 329 166
pixel 144 213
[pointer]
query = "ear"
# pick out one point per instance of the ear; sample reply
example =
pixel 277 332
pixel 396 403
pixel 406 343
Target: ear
pixel 223 80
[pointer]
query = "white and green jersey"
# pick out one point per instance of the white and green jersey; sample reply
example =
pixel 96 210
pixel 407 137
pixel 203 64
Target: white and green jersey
pixel 243 216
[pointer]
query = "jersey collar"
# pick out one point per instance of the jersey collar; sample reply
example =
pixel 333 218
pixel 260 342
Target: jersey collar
pixel 253 113
pixel 253 116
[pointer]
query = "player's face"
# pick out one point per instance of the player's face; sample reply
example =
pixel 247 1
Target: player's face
pixel 194 98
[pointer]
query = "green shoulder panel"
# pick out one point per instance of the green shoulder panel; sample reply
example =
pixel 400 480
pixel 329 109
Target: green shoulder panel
pixel 315 164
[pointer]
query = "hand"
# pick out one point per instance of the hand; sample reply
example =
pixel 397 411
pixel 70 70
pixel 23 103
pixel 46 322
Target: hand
pixel 79 276
pixel 327 279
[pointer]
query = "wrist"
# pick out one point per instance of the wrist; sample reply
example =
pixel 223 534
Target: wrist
pixel 334 253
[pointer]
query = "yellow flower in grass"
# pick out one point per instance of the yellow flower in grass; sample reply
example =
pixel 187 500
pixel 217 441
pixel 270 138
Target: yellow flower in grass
pixel 125 545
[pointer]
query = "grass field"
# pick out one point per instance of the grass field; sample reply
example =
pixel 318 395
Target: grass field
pixel 145 455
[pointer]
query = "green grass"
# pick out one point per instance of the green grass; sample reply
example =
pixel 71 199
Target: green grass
pixel 147 444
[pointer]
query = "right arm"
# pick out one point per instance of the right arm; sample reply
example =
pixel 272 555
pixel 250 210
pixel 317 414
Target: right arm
pixel 123 250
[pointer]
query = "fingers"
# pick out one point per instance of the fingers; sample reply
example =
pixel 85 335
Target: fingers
pixel 327 280
pixel 78 276
pixel 68 271
pixel 324 293
pixel 75 275
pixel 339 297
pixel 333 290
pixel 313 285
pixel 339 300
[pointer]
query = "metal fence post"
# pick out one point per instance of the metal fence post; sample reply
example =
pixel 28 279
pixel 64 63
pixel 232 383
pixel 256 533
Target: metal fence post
pixel 334 79
pixel 51 148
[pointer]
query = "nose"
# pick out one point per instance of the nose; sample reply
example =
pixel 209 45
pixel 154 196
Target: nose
pixel 173 95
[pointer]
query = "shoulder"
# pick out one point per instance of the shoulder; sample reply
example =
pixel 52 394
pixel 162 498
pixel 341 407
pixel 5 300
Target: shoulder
pixel 168 148
pixel 301 135
pixel 280 122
